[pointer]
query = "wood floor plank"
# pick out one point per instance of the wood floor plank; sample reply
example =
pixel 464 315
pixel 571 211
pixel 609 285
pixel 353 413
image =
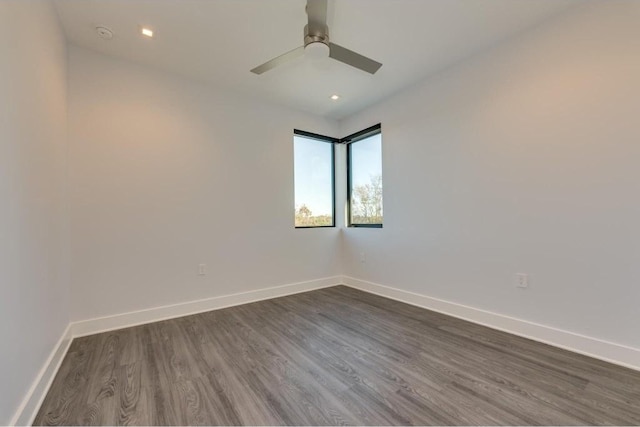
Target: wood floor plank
pixel 336 356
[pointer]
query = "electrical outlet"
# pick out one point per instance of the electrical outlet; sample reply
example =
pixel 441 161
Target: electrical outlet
pixel 202 269
pixel 522 280
pixel 363 257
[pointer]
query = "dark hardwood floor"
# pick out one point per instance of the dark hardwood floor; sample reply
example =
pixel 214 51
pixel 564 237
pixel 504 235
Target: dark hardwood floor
pixel 327 357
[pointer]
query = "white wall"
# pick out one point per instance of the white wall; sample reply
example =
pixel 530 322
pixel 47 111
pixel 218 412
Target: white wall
pixel 167 174
pixel 33 276
pixel 524 158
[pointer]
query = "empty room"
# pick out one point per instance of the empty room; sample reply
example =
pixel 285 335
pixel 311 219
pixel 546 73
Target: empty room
pixel 320 212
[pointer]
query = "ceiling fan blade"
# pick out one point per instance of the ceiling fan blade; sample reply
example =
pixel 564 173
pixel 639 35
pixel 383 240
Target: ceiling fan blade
pixel 279 60
pixel 354 59
pixel 317 12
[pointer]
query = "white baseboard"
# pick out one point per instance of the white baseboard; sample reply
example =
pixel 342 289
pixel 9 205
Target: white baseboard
pixel 28 409
pixel 599 349
pixel 156 314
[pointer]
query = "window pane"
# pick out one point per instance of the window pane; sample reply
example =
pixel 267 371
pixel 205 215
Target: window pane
pixel 365 171
pixel 313 182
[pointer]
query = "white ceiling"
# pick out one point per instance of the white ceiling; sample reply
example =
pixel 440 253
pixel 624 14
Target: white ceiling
pixel 219 41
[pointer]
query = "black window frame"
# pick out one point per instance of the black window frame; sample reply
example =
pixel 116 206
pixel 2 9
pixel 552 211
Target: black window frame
pixel 351 139
pixel 333 142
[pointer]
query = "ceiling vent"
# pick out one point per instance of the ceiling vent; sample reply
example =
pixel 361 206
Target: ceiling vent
pixel 104 33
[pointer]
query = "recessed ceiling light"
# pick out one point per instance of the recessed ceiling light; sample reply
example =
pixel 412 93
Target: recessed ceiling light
pixel 147 32
pixel 335 97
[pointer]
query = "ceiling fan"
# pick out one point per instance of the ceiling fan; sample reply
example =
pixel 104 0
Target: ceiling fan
pixel 317 44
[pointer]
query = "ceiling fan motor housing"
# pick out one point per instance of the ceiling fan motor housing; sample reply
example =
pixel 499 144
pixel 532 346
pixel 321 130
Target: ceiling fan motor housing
pixel 316 34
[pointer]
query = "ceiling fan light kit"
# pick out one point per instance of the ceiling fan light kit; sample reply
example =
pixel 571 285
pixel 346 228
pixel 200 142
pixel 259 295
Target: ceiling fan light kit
pixel 316 50
pixel 317 45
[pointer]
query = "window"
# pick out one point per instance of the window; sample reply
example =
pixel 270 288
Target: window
pixel 364 162
pixel 314 183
